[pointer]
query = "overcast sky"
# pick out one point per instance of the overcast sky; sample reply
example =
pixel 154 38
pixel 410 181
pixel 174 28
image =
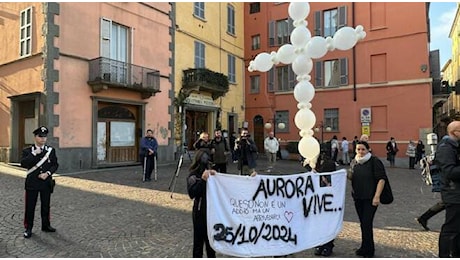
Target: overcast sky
pixel 442 15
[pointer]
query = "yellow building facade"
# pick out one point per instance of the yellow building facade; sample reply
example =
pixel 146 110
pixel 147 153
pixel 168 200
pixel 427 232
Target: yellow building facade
pixel 208 41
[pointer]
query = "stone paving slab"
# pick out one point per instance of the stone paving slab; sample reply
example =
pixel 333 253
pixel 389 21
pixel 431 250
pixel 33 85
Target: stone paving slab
pixel 112 213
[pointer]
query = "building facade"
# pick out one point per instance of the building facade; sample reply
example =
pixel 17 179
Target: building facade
pixel 209 68
pixel 447 95
pixel 381 87
pixel 98 75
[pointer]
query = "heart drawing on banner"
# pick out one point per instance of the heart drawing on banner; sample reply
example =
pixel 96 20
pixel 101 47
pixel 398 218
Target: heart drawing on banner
pixel 288 215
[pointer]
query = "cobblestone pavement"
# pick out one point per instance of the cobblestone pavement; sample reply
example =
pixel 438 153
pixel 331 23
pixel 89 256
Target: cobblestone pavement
pixel 112 213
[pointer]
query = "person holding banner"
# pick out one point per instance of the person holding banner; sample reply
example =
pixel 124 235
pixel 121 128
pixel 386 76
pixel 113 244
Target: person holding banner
pixel 325 164
pixel 41 163
pixel 368 177
pixel 196 188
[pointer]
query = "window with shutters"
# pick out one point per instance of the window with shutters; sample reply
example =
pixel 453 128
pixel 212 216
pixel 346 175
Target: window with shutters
pixel 255 42
pixel 199 55
pixel 279 32
pixel 255 84
pixel 281 79
pixel 328 22
pixel 231 19
pixel 254 8
pixel 331 73
pixel 115 47
pixel 331 118
pixel 198 9
pixel 231 68
pixel 25 31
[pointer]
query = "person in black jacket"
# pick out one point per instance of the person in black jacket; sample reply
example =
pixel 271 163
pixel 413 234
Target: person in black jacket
pixel 246 151
pixel 447 159
pixel 196 187
pixel 41 162
pixel 325 164
pixel 367 180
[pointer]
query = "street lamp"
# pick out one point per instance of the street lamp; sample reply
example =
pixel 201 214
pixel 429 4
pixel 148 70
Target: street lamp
pixel 321 128
pixel 268 125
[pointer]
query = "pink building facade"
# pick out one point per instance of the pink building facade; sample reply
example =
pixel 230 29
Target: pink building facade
pixel 98 75
pixel 381 87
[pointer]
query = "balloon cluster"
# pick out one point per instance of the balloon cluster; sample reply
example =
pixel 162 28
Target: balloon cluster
pixel 299 53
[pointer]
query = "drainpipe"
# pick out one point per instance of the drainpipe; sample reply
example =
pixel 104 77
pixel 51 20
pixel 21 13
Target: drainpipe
pixel 354 53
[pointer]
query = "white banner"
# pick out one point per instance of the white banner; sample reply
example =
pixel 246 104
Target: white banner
pixel 269 215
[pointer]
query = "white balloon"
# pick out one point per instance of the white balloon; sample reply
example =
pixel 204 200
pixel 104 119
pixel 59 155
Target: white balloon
pixel 302 64
pixel 345 38
pixel 263 62
pixel 304 91
pixel 316 47
pixel 305 119
pixel 309 147
pixel 300 36
pixel 298 10
pixel 286 54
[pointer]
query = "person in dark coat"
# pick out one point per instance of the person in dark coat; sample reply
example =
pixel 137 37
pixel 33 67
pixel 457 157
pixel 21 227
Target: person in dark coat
pixel 148 151
pixel 392 150
pixel 325 164
pixel 246 151
pixel 196 188
pixel 419 151
pixel 41 163
pixel 368 177
pixel 447 159
pixel 219 150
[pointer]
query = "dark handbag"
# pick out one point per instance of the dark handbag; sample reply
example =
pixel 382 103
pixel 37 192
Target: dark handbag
pixel 386 197
pixel 388 156
pixel 52 184
pixel 387 194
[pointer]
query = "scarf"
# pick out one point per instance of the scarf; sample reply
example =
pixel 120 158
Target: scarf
pixel 363 159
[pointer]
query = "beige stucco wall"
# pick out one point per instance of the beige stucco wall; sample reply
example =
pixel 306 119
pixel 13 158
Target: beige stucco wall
pixel 17 75
pixel 212 32
pixel 78 44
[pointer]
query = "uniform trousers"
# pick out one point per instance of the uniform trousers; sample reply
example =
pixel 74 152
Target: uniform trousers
pixel 31 197
pixel 449 238
pixel 366 212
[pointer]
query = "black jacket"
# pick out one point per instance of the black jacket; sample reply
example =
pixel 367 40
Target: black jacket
pixel 447 160
pixel 29 160
pixel 196 188
pixel 366 177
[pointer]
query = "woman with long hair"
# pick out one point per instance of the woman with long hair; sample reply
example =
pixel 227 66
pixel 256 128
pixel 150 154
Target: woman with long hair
pixel 196 187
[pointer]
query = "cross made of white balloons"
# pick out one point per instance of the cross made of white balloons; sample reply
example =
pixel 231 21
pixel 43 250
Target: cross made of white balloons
pixel 300 52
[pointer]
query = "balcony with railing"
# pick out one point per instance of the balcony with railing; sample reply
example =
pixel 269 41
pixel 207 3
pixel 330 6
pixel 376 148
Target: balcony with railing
pixel 106 73
pixel 202 79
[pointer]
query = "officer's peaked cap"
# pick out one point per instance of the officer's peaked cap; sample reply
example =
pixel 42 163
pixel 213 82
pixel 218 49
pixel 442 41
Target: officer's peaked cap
pixel 42 131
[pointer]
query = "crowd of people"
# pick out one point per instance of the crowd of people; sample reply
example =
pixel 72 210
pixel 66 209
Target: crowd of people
pixel 366 172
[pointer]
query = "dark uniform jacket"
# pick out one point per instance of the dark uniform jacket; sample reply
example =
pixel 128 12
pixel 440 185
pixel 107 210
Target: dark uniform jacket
pixel 29 160
pixel 447 160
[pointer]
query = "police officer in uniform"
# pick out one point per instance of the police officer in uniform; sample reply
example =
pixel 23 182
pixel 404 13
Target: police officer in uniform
pixel 41 162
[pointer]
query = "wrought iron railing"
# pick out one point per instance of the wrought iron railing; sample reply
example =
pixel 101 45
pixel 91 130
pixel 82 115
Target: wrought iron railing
pixel 218 81
pixel 115 73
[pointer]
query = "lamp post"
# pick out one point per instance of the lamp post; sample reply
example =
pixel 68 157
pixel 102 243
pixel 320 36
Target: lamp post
pixel 280 125
pixel 321 128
